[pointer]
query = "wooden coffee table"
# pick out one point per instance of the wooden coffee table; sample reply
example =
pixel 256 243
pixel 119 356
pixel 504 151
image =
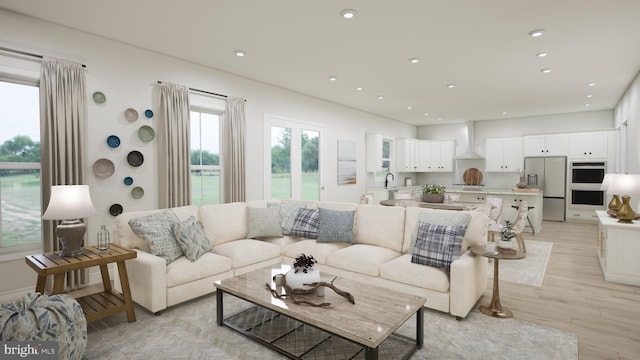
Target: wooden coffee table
pixel 302 331
pixel 95 306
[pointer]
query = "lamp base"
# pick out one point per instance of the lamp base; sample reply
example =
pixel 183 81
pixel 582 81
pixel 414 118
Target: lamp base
pixel 625 214
pixel 71 234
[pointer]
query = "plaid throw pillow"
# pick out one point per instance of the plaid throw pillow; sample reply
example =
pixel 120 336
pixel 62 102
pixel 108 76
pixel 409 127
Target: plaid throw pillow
pixel 306 224
pixel 438 245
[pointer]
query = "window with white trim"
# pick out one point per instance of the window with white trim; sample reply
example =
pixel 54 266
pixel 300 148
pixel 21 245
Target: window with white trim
pixel 206 177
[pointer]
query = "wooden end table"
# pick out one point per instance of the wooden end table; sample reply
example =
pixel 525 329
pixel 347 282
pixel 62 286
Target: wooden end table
pixel 95 306
pixel 495 309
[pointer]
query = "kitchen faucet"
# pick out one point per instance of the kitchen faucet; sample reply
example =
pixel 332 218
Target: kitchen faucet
pixel 386 179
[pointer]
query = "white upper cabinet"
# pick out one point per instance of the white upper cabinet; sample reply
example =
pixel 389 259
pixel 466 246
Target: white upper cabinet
pixel 407 155
pixel 504 155
pixel 588 145
pixel 436 156
pixel 546 145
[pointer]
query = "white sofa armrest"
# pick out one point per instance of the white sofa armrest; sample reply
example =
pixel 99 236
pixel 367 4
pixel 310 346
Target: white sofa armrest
pixel 467 282
pixel 147 275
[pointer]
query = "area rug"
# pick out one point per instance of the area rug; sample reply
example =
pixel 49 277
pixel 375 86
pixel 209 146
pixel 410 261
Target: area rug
pixel 189 331
pixel 527 271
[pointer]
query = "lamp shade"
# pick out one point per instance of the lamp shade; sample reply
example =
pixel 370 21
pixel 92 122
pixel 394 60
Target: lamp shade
pixel 69 202
pixel 624 184
pixel 606 181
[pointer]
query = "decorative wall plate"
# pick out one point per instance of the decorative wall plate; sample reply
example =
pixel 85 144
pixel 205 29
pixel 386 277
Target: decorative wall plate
pixel 99 97
pixel 115 209
pixel 128 180
pixel 146 133
pixel 137 192
pixel 113 141
pixel 103 168
pixel 148 113
pixel 135 158
pixel 131 114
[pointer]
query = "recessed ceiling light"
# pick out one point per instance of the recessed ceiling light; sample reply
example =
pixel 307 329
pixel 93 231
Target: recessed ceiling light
pixel 239 53
pixel 439 119
pixel 589 96
pixel 409 107
pixel 333 78
pixel 504 113
pixel 536 33
pixel 380 97
pixel 414 60
pixel 591 84
pixel 358 89
pixel 426 114
pixel 451 86
pixel 587 105
pixel 546 71
pixel 542 54
pixel 348 13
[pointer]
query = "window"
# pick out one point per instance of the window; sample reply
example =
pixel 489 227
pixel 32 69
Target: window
pixel 20 211
pixel 205 158
pixel 386 160
pixel 293 152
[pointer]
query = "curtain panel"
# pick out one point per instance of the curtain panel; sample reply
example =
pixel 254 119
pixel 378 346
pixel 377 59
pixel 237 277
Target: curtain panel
pixel 62 139
pixel 233 155
pixel 174 145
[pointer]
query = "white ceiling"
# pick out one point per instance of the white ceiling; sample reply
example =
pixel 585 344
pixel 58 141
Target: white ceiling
pixel 481 46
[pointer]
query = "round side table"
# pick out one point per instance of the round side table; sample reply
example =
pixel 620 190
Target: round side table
pixel 495 309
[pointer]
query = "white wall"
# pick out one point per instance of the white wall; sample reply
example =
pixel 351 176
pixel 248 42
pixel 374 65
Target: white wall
pixel 628 110
pixel 128 76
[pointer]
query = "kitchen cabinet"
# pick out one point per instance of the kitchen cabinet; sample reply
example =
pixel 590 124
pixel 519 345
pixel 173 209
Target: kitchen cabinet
pixel 378 153
pixel 546 145
pixel 407 155
pixel 436 156
pixel 587 146
pixel 504 155
pixel 618 249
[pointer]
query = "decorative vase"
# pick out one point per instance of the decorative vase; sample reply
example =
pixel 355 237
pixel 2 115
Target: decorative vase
pixel 296 279
pixel 433 198
pixel 505 244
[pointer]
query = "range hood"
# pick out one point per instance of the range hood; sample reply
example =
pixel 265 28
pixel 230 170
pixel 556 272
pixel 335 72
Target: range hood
pixel 469 153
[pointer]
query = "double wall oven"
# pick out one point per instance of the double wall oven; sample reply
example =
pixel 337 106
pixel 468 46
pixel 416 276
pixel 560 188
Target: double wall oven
pixel 584 185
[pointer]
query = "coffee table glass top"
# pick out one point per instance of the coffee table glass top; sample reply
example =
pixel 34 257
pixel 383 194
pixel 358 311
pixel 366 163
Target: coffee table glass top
pixel 376 314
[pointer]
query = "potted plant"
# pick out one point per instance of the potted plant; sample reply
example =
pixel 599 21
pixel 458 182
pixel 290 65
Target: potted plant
pixel 433 193
pixel 506 235
pixel 302 272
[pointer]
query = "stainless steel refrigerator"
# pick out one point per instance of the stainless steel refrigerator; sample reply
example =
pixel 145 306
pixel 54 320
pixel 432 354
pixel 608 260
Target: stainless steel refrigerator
pixel 549 174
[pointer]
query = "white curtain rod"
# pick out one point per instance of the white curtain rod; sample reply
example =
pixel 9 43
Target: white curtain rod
pixel 27 54
pixel 207 92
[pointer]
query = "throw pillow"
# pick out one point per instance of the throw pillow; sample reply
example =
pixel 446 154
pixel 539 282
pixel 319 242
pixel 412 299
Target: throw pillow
pixel 438 245
pixel 335 226
pixel 157 229
pixel 440 218
pixel 191 238
pixel 306 224
pixel 288 213
pixel 264 222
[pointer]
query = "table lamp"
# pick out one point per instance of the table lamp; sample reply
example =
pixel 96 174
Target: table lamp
pixel 615 203
pixel 625 185
pixel 70 203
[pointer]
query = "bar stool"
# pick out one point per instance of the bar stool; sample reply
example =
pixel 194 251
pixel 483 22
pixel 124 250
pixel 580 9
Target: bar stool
pixel 533 230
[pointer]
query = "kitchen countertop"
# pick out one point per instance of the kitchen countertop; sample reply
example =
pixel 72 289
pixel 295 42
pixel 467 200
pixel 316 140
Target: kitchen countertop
pixel 469 189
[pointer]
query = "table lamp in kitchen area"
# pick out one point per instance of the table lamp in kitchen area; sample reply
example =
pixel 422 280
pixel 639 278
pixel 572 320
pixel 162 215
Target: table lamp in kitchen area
pixel 615 203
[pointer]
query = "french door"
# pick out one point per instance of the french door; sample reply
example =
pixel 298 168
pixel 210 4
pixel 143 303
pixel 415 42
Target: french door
pixel 293 159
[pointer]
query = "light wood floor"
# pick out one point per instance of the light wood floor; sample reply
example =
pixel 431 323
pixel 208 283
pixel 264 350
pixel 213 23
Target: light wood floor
pixel 575 297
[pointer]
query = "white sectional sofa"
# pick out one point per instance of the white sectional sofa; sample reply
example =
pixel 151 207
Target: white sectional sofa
pixel 380 253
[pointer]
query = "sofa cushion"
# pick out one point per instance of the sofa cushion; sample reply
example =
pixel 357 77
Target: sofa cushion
pixel 438 245
pixel 183 271
pixel 335 226
pixel 224 222
pixel 246 252
pixel 437 217
pixel 264 222
pixel 402 270
pixel 380 226
pixel 288 212
pixel 157 229
pixel 191 238
pixel 361 258
pixel 306 224
pixel 319 250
